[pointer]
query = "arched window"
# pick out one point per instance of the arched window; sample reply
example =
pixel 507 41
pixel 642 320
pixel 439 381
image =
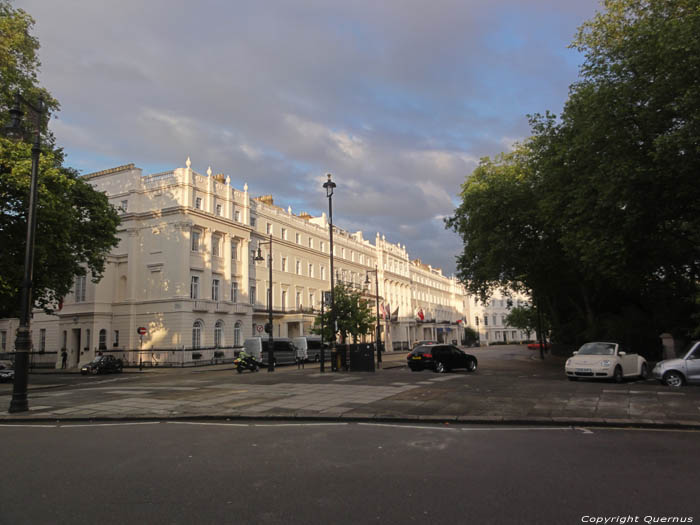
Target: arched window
pixel 237 334
pixel 197 334
pixel 103 339
pixel 218 333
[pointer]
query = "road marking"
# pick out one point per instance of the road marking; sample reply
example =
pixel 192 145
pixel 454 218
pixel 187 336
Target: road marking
pixel 583 430
pixel 9 425
pixel 405 426
pixel 692 430
pixel 298 424
pixel 208 424
pixel 113 424
pixel 518 428
pixel 670 393
pixel 39 407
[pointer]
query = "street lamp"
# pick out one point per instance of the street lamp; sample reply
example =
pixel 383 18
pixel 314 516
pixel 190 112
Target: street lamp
pixel 379 327
pixel 23 342
pixel 270 351
pixel 329 185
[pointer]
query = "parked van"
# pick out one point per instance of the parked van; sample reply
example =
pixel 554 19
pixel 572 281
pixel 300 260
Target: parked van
pixel 284 351
pixel 312 347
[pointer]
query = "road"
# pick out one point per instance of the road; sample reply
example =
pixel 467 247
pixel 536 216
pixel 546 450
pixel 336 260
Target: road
pixel 219 472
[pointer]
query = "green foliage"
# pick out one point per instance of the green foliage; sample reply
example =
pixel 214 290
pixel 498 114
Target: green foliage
pixel 524 318
pixel 598 214
pixel 76 227
pixel 353 315
pixel 470 336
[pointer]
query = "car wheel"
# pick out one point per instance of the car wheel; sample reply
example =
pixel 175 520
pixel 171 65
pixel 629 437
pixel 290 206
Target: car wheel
pixel 471 365
pixel 572 378
pixel 644 372
pixel 94 371
pixel 617 374
pixel 317 359
pixel 673 379
pixel 239 370
pixel 439 367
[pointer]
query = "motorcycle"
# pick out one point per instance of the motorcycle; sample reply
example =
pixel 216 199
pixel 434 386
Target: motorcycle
pixel 245 363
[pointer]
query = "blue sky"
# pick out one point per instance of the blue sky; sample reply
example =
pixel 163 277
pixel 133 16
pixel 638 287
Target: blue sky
pixel 397 99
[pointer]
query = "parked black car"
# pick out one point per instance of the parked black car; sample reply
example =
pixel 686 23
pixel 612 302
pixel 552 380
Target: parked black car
pixel 440 358
pixel 102 364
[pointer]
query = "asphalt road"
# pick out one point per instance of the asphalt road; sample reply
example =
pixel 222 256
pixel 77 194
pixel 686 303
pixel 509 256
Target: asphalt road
pixel 179 472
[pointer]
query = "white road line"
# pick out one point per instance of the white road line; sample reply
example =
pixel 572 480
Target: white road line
pixel 405 426
pixel 208 424
pixel 583 430
pixel 518 428
pixel 112 424
pixel 298 424
pixel 651 429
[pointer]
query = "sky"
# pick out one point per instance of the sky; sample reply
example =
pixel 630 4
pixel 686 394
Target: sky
pixel 397 99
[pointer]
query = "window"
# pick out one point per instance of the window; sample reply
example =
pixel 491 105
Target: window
pixel 252 222
pixel 42 340
pixel 116 338
pixel 323 273
pixel 216 245
pixel 284 233
pixel 102 342
pixel 196 334
pixel 218 333
pixel 311 242
pixel 311 300
pixel 284 264
pixel 503 320
pixel 321 246
pixel 498 335
pixel 218 209
pixel 237 334
pixel 237 216
pixel 311 270
pixel 198 203
pixel 234 291
pixel 284 299
pixel 513 334
pixel 196 235
pixel 476 320
pixel 252 294
pixel 298 238
pixel 88 339
pixel 298 267
pixel 124 206
pixel 234 250
pixel 215 290
pixel 194 287
pixel 486 320
pixel 495 321
pixel 80 289
pixel 3 340
pixel 268 228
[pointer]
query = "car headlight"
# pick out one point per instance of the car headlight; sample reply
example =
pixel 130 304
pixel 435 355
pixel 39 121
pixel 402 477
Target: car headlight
pixel 568 362
pixel 605 363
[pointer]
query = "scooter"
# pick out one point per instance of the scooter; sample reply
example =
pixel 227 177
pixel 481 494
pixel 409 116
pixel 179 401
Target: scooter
pixel 245 363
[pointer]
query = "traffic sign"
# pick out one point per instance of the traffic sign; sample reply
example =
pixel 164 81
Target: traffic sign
pixel 260 328
pixel 141 330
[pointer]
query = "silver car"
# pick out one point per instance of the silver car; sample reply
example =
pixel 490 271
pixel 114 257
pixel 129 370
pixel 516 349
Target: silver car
pixel 680 371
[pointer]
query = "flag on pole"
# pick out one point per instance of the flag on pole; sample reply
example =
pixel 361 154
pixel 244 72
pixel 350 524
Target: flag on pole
pixel 387 311
pixel 395 315
pixel 381 311
pixel 420 314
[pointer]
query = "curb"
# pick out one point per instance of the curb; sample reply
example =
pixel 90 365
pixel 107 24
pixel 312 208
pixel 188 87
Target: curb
pixel 435 420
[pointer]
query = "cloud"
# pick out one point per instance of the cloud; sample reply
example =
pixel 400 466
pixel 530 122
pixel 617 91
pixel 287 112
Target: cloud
pixel 397 99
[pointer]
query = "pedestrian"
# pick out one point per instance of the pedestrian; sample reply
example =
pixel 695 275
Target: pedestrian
pixel 64 358
pixel 299 351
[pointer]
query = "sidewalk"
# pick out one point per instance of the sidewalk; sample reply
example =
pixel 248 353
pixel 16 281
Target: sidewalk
pixel 511 386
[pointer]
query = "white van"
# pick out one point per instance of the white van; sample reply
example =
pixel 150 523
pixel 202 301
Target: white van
pixel 284 349
pixel 312 347
pixel 253 346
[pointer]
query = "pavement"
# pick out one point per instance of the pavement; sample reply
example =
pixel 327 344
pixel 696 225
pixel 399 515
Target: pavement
pixel 511 386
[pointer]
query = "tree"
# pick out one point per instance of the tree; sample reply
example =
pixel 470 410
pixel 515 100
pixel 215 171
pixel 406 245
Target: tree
pixel 523 318
pixel 597 215
pixel 353 313
pixel 76 225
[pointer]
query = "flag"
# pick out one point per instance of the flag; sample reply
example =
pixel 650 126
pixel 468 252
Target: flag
pixel 420 314
pixel 381 311
pixel 395 315
pixel 387 311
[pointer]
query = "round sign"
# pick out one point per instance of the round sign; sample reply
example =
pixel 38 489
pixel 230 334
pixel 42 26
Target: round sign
pixel 260 328
pixel 141 330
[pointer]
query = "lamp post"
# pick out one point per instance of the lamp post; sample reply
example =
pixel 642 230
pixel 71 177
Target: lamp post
pixel 270 351
pixel 23 342
pixel 329 185
pixel 379 326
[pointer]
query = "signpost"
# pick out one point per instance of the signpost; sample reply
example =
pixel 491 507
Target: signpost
pixel 141 330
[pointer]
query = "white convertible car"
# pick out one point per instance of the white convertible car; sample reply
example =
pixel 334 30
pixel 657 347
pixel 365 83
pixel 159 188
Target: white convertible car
pixel 605 360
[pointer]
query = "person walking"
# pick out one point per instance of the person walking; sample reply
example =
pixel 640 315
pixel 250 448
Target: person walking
pixel 64 358
pixel 300 357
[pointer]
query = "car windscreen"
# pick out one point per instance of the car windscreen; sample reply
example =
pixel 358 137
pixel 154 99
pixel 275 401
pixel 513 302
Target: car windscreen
pixel 426 349
pixel 97 359
pixel 597 349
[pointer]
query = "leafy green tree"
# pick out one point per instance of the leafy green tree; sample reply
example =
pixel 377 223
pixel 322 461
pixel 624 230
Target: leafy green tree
pixel 353 315
pixel 600 210
pixel 523 318
pixel 76 225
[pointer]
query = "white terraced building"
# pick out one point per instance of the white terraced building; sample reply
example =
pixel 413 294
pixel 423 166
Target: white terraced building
pixel 183 270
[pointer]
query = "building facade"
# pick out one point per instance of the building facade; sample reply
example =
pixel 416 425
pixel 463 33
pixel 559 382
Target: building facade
pixel 184 280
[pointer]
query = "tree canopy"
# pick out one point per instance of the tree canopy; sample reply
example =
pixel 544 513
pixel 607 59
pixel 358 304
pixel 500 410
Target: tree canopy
pixel 597 214
pixel 353 315
pixel 76 225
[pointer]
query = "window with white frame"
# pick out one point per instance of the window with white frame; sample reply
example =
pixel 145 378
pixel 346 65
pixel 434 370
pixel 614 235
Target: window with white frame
pixel 252 293
pixel 253 221
pixel 196 334
pixel 234 250
pixel 102 343
pixel 237 334
pixel 42 340
pixel 321 246
pixel 237 216
pixel 311 242
pixel 198 203
pixel 284 299
pixel 268 228
pixel 284 264
pixel 116 338
pixel 298 267
pixel 218 209
pixel 218 333
pixel 284 233
pixel 216 245
pixel 298 300
pixel 311 270
pixel 298 237
pixel 312 300
pixel 80 283
pixel 323 273
pixel 234 291
pixel 215 290
pixel 124 205
pixel 194 287
pixel 196 237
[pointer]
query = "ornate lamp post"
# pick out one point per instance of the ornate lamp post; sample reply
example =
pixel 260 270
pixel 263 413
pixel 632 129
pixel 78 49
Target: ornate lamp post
pixel 379 327
pixel 270 350
pixel 23 342
pixel 329 185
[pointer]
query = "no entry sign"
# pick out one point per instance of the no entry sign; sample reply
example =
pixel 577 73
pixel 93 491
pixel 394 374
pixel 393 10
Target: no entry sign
pixel 141 330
